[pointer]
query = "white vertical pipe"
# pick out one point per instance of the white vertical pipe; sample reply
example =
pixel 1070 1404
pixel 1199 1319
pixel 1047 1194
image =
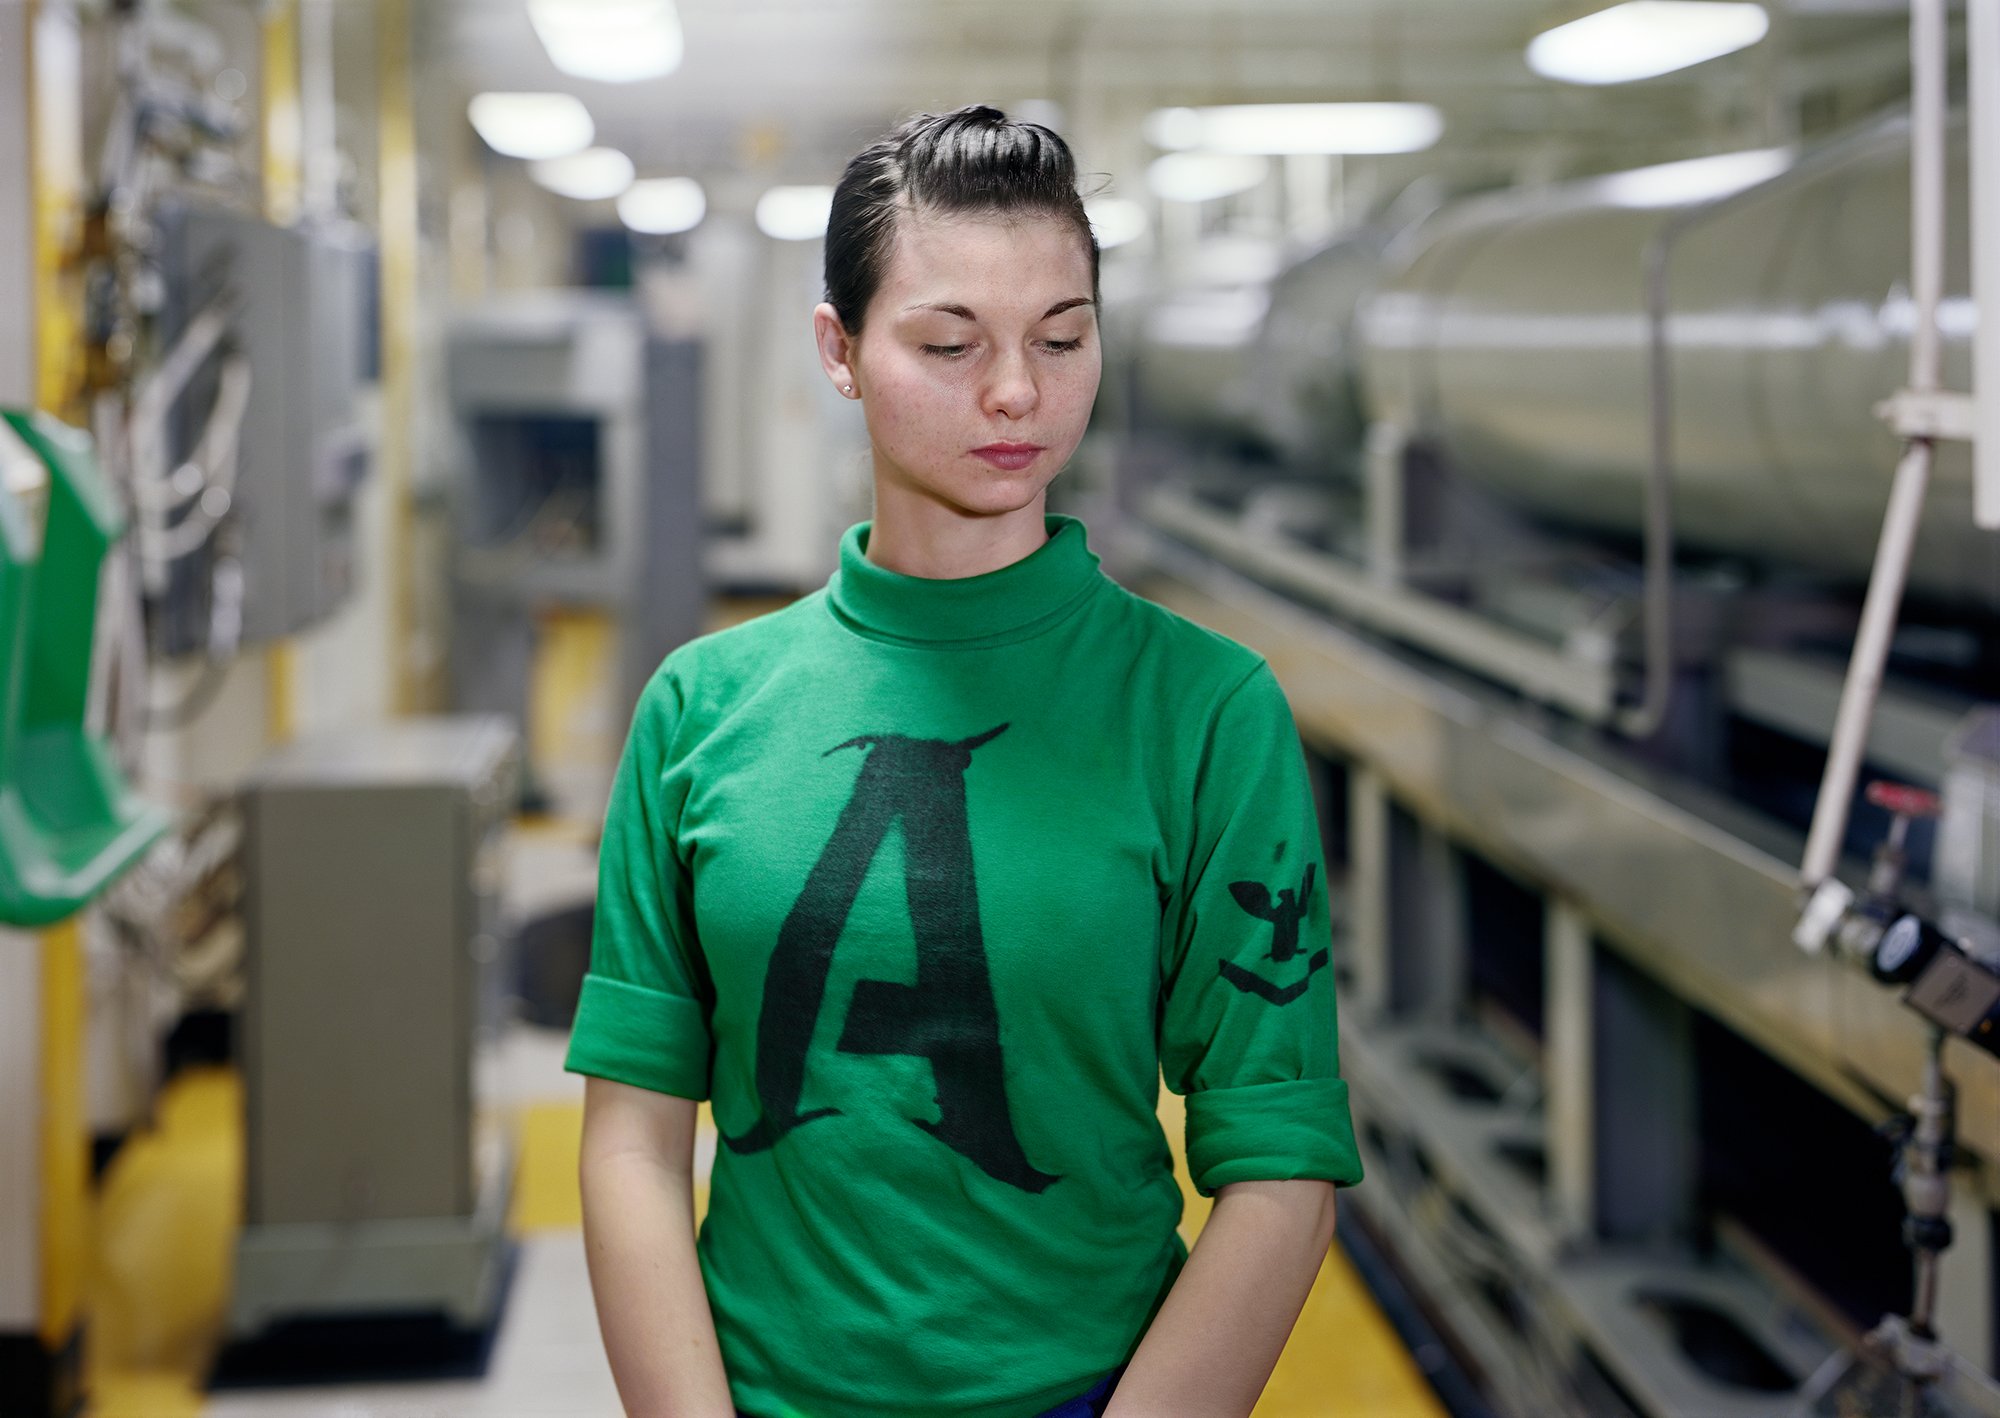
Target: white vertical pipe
pixel 1864 671
pixel 1906 493
pixel 319 146
pixel 1927 104
pixel 1386 445
pixel 1308 196
pixel 1982 22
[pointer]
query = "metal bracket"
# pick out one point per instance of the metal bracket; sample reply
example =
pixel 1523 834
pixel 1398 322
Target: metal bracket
pixel 1935 415
pixel 1822 915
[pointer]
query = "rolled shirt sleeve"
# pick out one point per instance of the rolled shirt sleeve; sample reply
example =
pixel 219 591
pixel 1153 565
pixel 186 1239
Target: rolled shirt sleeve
pixel 644 1014
pixel 1248 1030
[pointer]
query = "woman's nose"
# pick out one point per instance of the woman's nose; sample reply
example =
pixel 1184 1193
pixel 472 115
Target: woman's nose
pixel 1012 389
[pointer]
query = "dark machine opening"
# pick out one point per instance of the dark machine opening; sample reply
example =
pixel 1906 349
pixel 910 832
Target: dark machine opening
pixel 1328 776
pixel 540 484
pixel 1717 1345
pixel 1758 1122
pixel 1503 931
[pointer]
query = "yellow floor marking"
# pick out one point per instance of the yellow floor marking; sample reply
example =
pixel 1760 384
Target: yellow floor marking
pixel 142 1395
pixel 545 1183
pixel 1344 1359
pixel 545 1189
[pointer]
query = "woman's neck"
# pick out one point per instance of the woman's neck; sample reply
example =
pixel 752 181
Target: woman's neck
pixel 917 535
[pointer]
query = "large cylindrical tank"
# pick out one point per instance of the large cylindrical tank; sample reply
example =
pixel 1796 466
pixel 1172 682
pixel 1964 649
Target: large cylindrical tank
pixel 1266 366
pixel 1297 388
pixel 1512 331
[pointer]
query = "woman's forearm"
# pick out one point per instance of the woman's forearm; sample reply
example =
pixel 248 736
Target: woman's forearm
pixel 638 1227
pixel 1212 1346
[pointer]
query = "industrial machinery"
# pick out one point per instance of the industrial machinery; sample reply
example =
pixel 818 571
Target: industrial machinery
pixel 577 485
pixel 1553 509
pixel 219 360
pixel 271 334
pixel 376 1183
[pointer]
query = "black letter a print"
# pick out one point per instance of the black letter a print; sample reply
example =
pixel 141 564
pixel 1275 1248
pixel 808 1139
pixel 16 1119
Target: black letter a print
pixel 948 1015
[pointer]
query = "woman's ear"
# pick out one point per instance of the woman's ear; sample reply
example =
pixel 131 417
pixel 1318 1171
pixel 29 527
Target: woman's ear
pixel 837 353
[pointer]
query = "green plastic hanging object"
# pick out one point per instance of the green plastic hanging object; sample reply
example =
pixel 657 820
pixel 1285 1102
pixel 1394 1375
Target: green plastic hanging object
pixel 69 824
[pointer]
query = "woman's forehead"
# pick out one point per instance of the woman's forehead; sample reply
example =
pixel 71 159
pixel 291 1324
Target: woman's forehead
pixel 1025 260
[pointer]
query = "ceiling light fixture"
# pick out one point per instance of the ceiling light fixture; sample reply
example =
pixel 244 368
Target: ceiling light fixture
pixel 1203 177
pixel 660 206
pixel 611 41
pixel 532 125
pixel 1644 38
pixel 794 213
pixel 1278 128
pixel 588 176
pixel 1676 184
pixel 1172 128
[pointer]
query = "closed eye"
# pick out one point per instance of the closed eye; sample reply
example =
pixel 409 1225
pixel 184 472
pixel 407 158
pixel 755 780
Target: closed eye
pixel 958 351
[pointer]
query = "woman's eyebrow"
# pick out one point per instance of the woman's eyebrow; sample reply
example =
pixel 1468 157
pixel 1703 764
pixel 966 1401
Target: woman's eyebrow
pixel 965 312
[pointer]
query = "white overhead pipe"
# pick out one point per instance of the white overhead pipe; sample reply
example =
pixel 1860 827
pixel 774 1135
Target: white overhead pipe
pixel 1982 23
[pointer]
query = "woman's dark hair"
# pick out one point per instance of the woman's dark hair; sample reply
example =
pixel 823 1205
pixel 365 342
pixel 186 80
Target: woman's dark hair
pixel 973 159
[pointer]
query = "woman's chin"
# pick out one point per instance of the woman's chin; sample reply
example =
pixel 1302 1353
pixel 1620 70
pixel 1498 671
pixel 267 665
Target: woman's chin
pixel 991 493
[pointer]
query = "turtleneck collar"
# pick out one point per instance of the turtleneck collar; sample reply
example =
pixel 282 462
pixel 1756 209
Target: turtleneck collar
pixel 1009 603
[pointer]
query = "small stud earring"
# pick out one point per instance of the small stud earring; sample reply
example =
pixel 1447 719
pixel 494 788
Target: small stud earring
pixel 848 387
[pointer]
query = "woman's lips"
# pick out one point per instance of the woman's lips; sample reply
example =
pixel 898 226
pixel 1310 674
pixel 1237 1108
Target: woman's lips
pixel 1013 459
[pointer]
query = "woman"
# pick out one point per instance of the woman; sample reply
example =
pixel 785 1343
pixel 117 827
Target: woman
pixel 925 878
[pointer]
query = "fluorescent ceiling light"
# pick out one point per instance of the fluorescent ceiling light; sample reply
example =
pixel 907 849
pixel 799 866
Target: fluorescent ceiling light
pixel 1674 184
pixel 1202 177
pixel 1115 220
pixel 1641 38
pixel 612 41
pixel 532 125
pixel 1173 128
pixel 794 213
pixel 1298 127
pixel 588 176
pixel 661 205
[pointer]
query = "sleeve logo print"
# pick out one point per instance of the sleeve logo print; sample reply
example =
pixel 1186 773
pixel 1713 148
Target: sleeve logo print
pixel 1284 915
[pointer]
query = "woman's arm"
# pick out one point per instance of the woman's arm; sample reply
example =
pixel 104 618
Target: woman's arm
pixel 637 1173
pixel 1217 1336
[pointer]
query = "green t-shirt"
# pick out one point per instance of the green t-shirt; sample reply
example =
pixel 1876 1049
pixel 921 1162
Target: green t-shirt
pixel 924 883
